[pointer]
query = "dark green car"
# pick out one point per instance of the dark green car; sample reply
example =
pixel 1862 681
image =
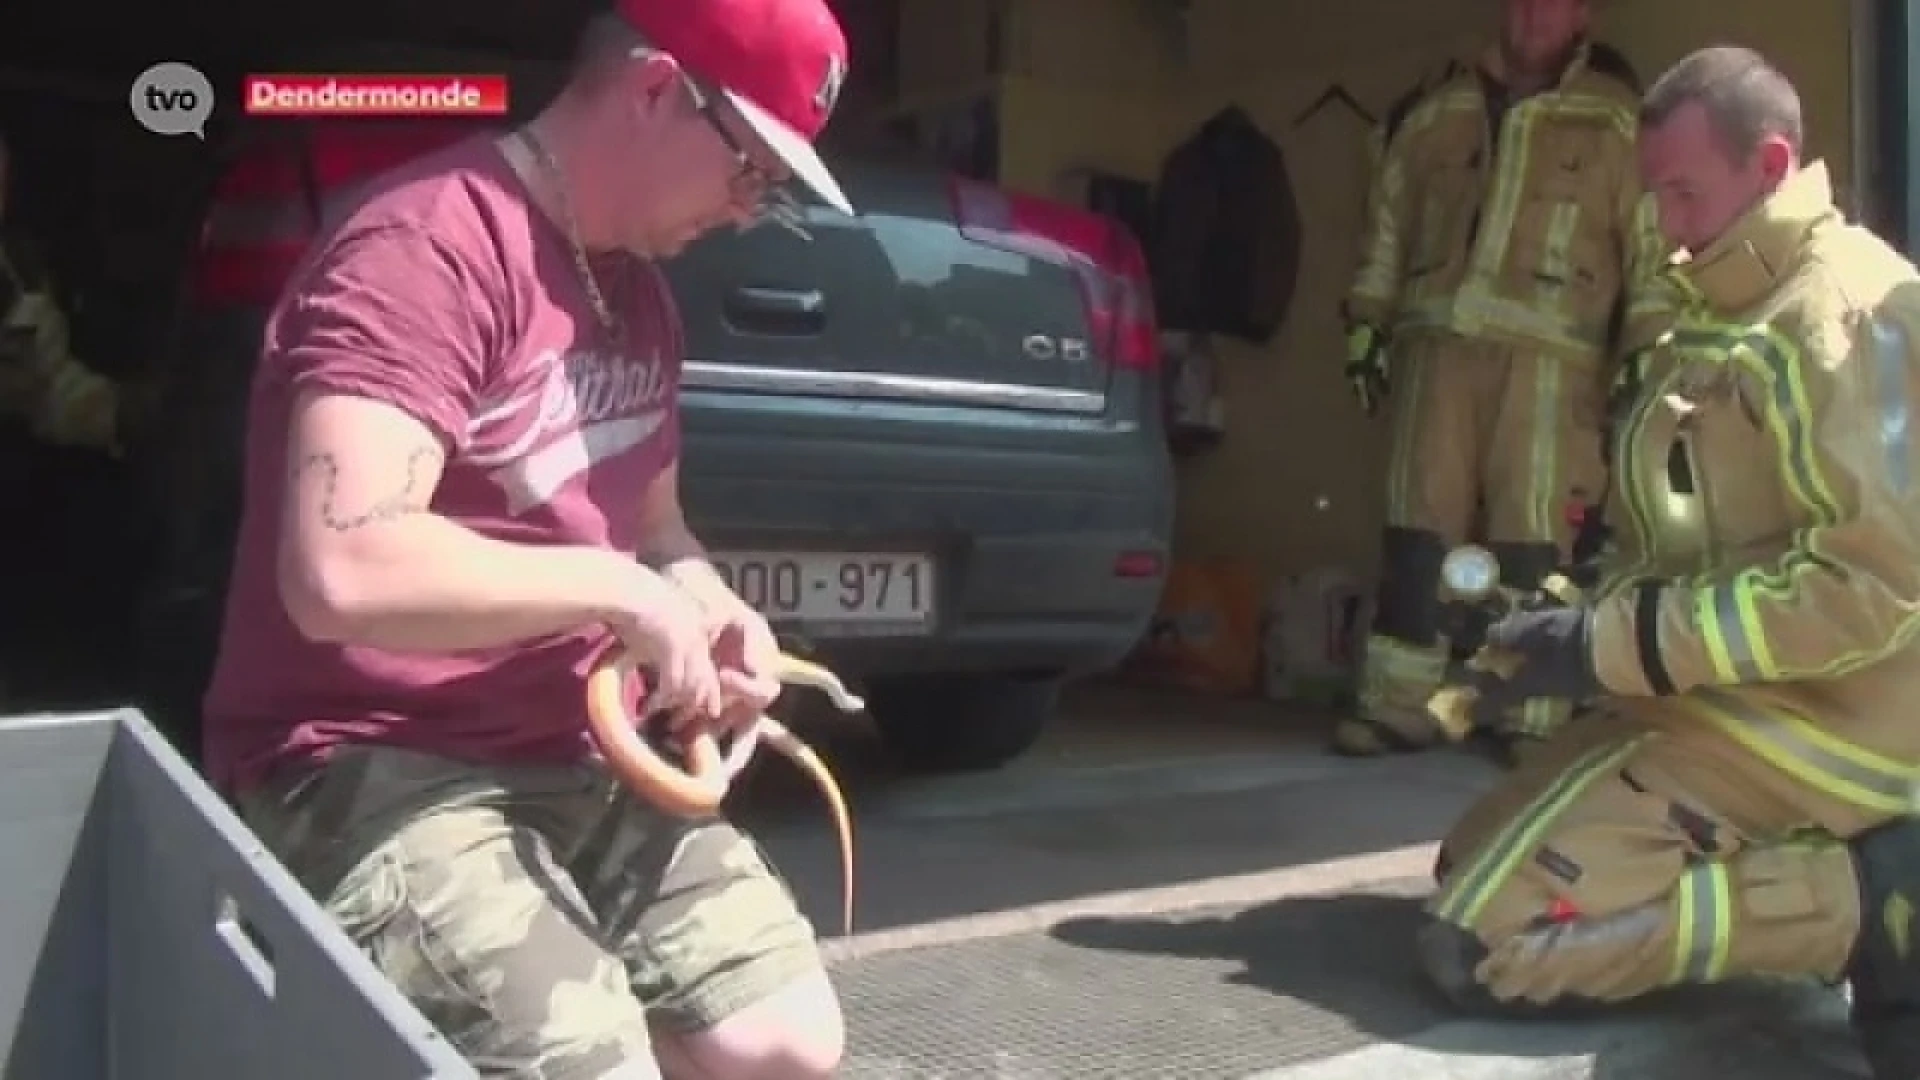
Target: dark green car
pixel 928 439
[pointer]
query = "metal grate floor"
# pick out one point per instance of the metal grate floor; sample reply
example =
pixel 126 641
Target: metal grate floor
pixel 1213 994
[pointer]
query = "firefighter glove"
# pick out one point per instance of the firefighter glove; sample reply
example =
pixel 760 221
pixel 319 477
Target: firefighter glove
pixel 1548 653
pixel 1367 367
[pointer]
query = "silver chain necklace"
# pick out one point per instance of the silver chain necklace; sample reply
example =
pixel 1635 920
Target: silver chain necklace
pixel 601 309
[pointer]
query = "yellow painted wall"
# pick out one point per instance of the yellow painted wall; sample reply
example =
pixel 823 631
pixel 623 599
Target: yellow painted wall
pixel 1116 83
pixel 1809 41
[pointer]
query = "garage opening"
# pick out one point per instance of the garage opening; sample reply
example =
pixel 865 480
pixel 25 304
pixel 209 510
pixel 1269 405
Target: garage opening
pixel 1068 396
pixel 1266 473
pixel 119 560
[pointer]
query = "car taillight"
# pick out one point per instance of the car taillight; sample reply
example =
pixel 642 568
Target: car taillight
pixel 269 203
pixel 248 247
pixel 1103 255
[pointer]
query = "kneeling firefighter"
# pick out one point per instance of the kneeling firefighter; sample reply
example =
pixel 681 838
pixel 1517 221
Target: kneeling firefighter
pixel 1741 801
pixel 1509 260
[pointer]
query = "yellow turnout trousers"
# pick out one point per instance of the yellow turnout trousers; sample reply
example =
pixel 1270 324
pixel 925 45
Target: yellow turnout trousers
pixel 1619 858
pixel 1484 434
pixel 1491 434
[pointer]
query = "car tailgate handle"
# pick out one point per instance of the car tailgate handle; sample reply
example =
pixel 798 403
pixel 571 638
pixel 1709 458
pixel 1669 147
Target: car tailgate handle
pixel 777 311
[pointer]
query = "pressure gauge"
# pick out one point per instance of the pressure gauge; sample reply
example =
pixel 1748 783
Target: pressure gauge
pixel 1470 572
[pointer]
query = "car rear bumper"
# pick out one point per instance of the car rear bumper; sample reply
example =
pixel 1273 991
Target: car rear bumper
pixel 1049 543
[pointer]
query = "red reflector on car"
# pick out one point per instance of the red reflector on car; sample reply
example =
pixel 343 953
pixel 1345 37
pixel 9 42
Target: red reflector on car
pixel 1138 564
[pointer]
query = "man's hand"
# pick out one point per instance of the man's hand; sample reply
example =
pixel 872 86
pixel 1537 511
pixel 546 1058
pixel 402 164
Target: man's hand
pixel 746 655
pixel 1366 368
pixel 1551 653
pixel 744 652
pixel 741 646
pixel 667 630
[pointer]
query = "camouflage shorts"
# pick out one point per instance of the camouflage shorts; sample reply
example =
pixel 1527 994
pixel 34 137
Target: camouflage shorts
pixel 537 921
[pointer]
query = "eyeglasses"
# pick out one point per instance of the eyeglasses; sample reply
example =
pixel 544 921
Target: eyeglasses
pixel 753 186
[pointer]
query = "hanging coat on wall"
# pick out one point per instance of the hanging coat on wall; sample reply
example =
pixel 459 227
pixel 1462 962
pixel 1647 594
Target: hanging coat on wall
pixel 1226 236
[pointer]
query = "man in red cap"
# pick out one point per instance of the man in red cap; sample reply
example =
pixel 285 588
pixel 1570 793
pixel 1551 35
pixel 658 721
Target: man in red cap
pixel 462 458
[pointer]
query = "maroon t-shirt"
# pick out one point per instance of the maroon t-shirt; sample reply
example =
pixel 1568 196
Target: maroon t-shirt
pixel 447 294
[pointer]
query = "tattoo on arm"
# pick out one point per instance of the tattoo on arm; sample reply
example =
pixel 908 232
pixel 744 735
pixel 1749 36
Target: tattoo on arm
pixel 408 498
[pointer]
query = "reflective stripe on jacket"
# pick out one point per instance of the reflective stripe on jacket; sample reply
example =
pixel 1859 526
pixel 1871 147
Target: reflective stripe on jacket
pixel 1533 231
pixel 1767 572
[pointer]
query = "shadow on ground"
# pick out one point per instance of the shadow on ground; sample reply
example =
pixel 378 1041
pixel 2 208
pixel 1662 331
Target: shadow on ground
pixel 1335 974
pixel 1347 956
pixel 1195 797
pixel 1303 988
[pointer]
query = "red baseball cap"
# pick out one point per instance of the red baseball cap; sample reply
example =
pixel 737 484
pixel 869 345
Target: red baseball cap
pixel 780 62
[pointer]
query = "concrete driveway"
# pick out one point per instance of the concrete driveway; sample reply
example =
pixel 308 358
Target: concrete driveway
pixel 1174 887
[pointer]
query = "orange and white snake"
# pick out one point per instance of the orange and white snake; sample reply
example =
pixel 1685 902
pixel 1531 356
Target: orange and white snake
pixel 698 790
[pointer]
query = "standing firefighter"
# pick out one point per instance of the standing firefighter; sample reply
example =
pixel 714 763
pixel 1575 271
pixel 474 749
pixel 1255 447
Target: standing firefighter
pixel 1741 803
pixel 1508 256
pixel 61 400
pixel 60 421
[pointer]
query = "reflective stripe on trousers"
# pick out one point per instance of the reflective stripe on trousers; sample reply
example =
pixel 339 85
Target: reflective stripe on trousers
pixel 1703 924
pixel 1464 897
pixel 1699 910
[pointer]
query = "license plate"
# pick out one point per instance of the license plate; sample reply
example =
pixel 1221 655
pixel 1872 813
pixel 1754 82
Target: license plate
pixel 852 591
